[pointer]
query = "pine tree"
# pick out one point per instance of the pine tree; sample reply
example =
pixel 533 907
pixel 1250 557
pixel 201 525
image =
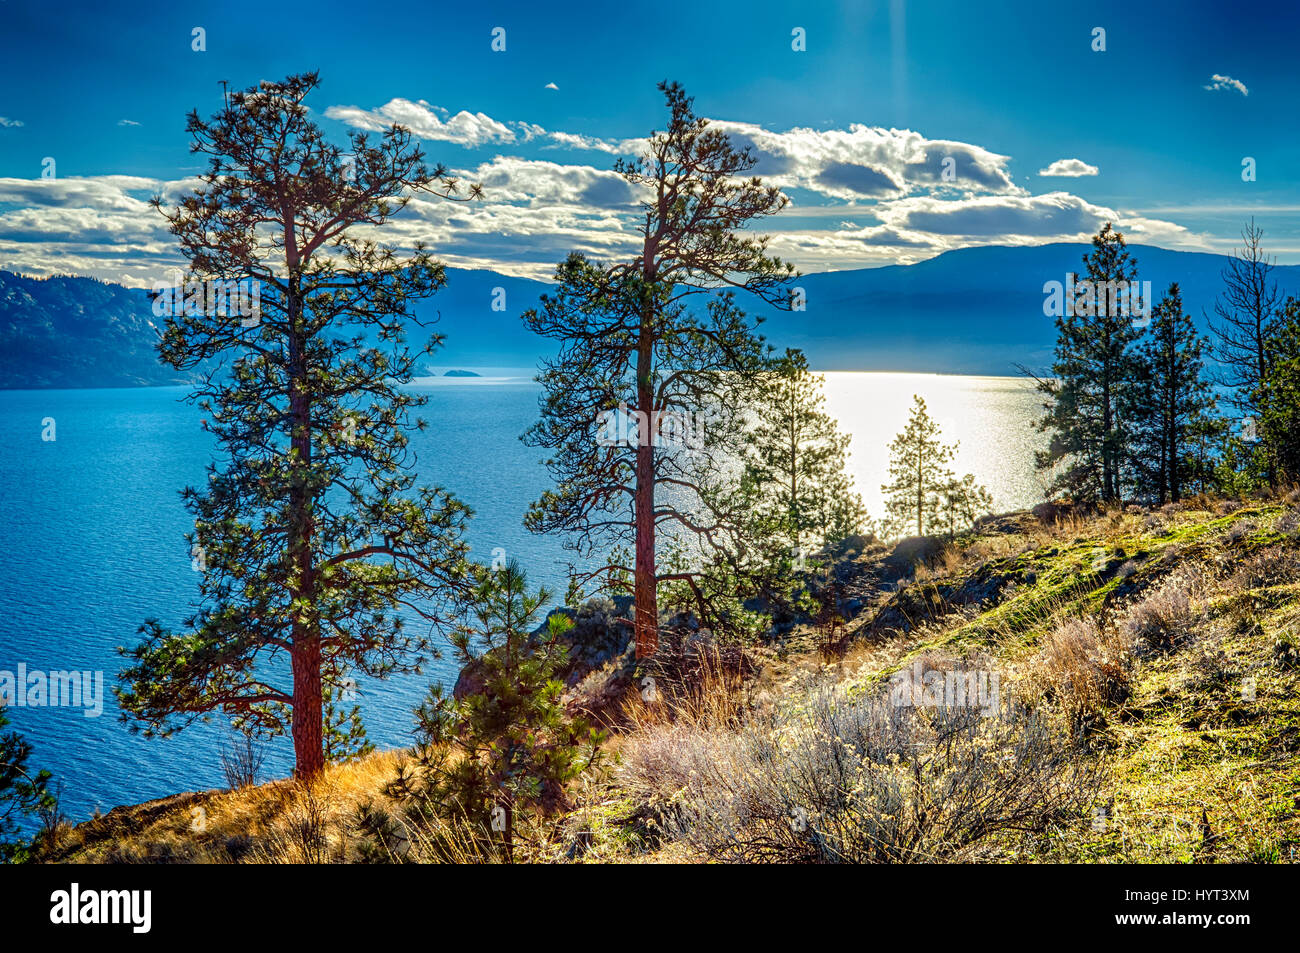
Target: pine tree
pixel 794 496
pixel 657 340
pixel 923 494
pixel 1206 438
pixel 23 789
pixel 1169 400
pixel 313 535
pixel 1278 395
pixel 1092 372
pixel 918 475
pixel 506 747
pixel 798 458
pixel 962 502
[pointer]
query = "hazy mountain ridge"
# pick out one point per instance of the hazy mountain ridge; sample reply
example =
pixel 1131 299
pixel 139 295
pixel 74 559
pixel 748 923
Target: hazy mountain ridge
pixel 76 332
pixel 971 311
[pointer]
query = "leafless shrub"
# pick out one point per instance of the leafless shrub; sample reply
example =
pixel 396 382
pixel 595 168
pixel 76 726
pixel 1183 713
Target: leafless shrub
pixel 832 641
pixel 53 822
pixel 834 777
pixel 241 759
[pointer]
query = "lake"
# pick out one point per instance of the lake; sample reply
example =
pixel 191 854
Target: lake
pixel 92 538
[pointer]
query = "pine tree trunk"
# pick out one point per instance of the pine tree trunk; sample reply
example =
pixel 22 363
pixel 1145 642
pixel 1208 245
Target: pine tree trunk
pixel 1107 449
pixel 646 620
pixel 1175 460
pixel 308 746
pixel 308 740
pixel 920 494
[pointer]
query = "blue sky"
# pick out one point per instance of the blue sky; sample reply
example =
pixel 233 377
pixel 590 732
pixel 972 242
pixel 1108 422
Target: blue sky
pixel 855 128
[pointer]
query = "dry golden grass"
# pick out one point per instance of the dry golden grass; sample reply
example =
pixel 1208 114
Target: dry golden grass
pixel 1081 668
pixel 264 823
pixel 714 695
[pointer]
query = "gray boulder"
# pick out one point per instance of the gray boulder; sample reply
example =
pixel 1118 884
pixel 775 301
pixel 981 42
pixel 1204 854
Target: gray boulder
pixel 912 550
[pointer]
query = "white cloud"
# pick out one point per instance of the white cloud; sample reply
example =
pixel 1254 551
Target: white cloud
pixel 858 164
pixel 861 163
pixel 614 147
pixel 550 86
pixel 127 122
pixel 862 196
pixel 7 123
pixel 1069 169
pixel 870 162
pixel 1219 81
pixel 471 129
pixel 464 128
pixel 512 179
pixel 995 219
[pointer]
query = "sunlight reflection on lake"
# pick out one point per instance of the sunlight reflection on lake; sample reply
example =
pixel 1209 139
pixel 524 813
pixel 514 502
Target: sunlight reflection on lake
pixel 992 417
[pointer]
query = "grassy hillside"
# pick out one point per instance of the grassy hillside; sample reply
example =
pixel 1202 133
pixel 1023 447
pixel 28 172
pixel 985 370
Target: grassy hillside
pixel 1147 709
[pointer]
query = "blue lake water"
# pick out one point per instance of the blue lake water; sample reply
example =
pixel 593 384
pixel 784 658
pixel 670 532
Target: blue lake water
pixel 92 539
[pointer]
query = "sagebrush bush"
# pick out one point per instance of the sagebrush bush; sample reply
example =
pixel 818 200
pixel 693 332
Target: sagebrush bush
pixel 1238 531
pixel 1082 669
pixel 834 776
pixel 1275 566
pixel 1163 617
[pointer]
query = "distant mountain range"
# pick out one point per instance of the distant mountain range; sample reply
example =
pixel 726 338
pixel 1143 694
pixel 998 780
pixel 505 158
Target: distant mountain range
pixel 76 332
pixel 972 311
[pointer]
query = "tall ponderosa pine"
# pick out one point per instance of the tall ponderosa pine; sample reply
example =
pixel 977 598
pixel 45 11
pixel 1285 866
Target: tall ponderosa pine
pixel 1169 400
pixel 798 458
pixel 1092 372
pixel 657 338
pixel 313 535
pixel 918 475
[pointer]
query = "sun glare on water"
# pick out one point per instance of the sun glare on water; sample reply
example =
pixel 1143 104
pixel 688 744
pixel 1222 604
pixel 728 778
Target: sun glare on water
pixel 990 418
